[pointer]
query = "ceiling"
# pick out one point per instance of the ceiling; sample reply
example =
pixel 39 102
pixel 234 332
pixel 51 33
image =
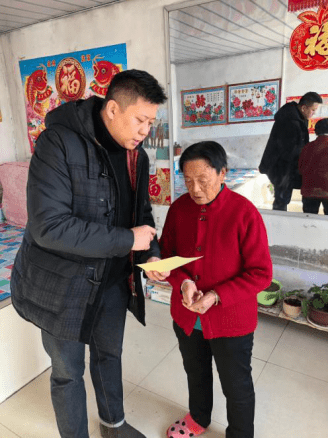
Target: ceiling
pixel 15 14
pixel 223 28
pixel 214 29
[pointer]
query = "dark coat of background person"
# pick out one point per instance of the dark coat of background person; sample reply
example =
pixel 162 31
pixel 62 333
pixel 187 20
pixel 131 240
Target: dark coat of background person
pixel 288 137
pixel 58 285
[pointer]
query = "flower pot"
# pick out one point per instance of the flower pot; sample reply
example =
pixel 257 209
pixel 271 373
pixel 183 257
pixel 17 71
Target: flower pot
pixel 292 307
pixel 318 316
pixel 262 300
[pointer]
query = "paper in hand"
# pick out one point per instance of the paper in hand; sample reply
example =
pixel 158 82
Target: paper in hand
pixel 167 264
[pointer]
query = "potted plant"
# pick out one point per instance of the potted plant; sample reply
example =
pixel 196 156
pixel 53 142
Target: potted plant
pixel 271 291
pixel 291 301
pixel 315 309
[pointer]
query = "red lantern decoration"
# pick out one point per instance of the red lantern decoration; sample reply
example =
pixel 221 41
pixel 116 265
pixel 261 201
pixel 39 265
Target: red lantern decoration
pixel 309 41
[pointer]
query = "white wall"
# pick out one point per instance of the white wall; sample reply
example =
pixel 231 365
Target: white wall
pixel 243 142
pixel 138 23
pixel 22 356
pixel 7 134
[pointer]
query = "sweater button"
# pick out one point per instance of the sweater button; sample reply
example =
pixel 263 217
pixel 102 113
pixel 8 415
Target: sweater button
pixel 202 218
pixel 198 248
pixel 196 278
pixel 203 210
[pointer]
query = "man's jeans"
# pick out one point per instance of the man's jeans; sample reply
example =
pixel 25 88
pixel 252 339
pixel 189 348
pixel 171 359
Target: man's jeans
pixel 233 360
pixel 68 365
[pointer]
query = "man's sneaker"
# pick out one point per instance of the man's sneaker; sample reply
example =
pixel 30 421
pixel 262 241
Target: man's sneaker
pixel 124 431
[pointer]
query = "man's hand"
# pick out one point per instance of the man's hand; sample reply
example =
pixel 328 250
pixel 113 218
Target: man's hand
pixel 155 275
pixel 143 237
pixel 202 304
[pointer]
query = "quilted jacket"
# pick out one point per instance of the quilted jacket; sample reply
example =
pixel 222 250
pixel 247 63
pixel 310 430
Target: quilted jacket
pixel 71 234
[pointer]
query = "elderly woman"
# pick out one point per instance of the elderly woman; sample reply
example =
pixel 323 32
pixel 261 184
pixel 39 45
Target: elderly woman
pixel 214 299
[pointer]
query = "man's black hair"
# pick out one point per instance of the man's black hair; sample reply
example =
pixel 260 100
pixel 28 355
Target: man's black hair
pixel 210 151
pixel 129 85
pixel 309 98
pixel 321 126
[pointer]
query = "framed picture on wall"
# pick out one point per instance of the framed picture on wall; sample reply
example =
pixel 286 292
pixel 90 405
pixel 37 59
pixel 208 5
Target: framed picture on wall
pixel 204 107
pixel 253 101
pixel 321 112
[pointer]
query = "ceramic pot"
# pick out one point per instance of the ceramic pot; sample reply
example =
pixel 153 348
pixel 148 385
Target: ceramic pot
pixel 318 316
pixel 292 307
pixel 275 286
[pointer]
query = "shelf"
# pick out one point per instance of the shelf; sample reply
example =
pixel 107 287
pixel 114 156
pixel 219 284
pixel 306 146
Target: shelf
pixel 277 312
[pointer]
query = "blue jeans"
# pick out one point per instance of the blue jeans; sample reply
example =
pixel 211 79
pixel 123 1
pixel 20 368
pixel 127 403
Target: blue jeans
pixel 68 365
pixel 233 361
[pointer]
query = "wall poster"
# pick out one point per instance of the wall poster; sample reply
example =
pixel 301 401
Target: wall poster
pixel 253 101
pixel 50 81
pixel 321 112
pixel 203 107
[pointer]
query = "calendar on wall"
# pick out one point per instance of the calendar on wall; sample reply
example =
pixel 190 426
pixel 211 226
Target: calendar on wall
pixel 204 107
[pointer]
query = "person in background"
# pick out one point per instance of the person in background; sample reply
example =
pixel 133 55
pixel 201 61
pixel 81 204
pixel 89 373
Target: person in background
pixel 89 221
pixel 288 136
pixel 214 299
pixel 313 166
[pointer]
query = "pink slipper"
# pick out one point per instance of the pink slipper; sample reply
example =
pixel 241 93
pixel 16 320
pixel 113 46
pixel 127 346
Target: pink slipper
pixel 186 427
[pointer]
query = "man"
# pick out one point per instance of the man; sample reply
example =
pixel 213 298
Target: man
pixel 288 136
pixel 313 166
pixel 89 221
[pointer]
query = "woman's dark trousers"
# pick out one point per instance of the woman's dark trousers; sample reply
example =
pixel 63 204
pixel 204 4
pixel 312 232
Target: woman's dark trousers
pixel 233 361
pixel 68 365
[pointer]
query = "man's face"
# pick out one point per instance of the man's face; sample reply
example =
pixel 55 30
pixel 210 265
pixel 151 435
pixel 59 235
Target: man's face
pixel 308 111
pixel 202 181
pixel 129 125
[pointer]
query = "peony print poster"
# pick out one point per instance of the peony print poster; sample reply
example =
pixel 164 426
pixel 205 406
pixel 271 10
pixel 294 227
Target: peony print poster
pixel 253 101
pixel 50 81
pixel 203 107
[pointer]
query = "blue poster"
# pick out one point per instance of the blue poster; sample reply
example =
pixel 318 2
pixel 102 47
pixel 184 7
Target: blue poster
pixel 50 81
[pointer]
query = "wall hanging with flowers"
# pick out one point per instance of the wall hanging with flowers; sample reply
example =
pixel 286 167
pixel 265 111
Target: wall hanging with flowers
pixel 253 101
pixel 204 107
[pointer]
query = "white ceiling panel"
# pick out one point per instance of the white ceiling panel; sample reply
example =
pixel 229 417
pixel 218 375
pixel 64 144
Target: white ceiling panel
pixel 15 14
pixel 223 28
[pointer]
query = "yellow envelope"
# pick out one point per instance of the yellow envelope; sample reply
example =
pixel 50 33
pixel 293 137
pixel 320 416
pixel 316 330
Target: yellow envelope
pixel 168 264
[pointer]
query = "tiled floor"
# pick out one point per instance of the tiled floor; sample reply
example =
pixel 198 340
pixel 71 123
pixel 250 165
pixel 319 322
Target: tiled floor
pixel 289 368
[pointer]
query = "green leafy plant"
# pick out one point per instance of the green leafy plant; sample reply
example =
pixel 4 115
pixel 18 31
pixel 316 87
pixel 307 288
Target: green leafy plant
pixel 281 295
pixel 318 300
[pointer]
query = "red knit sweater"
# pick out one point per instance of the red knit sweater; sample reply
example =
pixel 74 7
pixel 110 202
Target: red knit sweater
pixel 231 236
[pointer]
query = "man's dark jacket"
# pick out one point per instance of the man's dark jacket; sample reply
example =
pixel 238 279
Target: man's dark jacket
pixel 71 234
pixel 288 137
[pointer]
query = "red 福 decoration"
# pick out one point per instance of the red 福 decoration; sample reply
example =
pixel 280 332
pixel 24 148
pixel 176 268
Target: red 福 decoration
pixel 299 5
pixel 309 41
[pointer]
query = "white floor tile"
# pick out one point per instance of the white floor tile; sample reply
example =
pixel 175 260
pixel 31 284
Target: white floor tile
pixel 6 433
pixel 32 405
pixel 29 412
pixel 144 348
pixel 303 349
pixel 290 405
pixel 158 314
pixel 168 379
pixel 267 334
pixel 152 415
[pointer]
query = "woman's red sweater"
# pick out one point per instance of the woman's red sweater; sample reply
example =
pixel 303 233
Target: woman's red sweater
pixel 230 235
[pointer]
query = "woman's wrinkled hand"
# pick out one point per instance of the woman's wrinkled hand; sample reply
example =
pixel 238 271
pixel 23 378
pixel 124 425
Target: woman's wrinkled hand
pixel 155 275
pixel 202 304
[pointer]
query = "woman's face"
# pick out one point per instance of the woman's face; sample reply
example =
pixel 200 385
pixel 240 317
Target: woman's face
pixel 202 181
